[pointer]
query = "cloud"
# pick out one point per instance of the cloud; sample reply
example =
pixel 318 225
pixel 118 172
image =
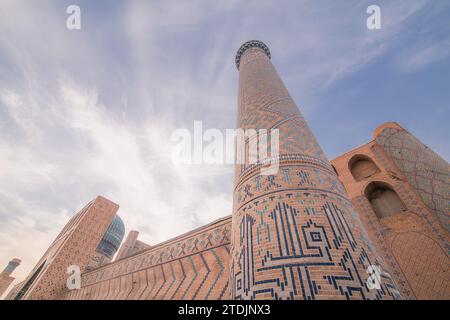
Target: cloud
pixel 90 112
pixel 423 55
pixel 130 165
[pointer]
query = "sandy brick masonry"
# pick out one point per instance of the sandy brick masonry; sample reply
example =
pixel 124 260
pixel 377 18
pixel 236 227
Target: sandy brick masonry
pixel 414 242
pixel 75 245
pixel 192 266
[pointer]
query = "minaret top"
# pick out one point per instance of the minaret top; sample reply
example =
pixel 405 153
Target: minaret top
pixel 11 266
pixel 248 45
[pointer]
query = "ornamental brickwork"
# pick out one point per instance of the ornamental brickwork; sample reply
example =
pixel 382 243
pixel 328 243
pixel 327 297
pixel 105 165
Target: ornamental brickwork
pixel 75 245
pixel 194 266
pixel 413 240
pixel 295 234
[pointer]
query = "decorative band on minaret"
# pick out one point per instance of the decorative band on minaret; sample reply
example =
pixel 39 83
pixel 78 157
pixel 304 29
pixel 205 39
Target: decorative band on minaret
pixel 295 234
pixel 248 45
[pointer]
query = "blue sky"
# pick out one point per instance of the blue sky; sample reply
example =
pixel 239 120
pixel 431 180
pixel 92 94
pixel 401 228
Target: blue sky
pixel 90 112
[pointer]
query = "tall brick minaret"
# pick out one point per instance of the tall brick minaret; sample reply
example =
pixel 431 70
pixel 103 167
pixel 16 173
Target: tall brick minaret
pixel 5 275
pixel 295 233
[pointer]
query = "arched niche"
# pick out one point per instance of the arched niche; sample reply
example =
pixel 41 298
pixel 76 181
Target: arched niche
pixel 383 199
pixel 362 167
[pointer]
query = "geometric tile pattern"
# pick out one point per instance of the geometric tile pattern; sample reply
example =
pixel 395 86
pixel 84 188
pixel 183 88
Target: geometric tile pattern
pixel 193 266
pixel 295 233
pixel 75 245
pixel 425 170
pixel 429 273
pixel 412 241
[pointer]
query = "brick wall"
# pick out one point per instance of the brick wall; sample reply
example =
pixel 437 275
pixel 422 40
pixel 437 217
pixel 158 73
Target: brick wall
pixel 413 242
pixel 426 171
pixel 75 245
pixel 194 266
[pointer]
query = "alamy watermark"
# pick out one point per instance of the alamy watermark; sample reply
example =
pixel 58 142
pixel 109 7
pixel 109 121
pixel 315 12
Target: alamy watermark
pixel 373 22
pixel 73 22
pixel 74 280
pixel 374 279
pixel 234 146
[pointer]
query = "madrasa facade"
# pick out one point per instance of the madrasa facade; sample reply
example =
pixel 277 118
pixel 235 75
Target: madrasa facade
pixel 371 224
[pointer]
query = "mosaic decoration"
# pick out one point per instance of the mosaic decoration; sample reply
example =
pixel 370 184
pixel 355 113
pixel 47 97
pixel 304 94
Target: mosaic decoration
pixel 75 245
pixel 195 266
pixel 425 170
pixel 275 241
pixel 295 234
pixel 250 44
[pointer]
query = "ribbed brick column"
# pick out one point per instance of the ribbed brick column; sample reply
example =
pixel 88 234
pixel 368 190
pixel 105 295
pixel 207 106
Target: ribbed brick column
pixel 295 233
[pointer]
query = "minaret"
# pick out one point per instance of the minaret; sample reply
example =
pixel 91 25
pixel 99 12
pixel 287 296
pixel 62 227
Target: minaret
pixel 295 233
pixel 5 275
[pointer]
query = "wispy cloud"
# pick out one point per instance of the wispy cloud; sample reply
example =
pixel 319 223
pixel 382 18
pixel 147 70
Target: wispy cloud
pixel 423 55
pixel 91 112
pixel 104 155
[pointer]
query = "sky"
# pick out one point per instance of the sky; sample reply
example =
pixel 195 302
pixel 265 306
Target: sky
pixel 90 112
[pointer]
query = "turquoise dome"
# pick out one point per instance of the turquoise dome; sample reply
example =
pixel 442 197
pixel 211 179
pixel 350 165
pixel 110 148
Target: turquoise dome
pixel 112 238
